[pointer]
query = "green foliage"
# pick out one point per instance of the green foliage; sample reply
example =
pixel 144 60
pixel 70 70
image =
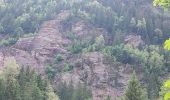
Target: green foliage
pixel 58 58
pixel 111 15
pixel 65 91
pixel 165 90
pixel 10 67
pixel 50 93
pixel 70 92
pixel 163 3
pixel 90 48
pixel 118 17
pixel 153 85
pixel 101 16
pixel 81 92
pixel 2 89
pixel 167 44
pixel 51 72
pixel 28 17
pixel 70 36
pixel 34 86
pixel 118 52
pixel 12 89
pixel 8 41
pixel 76 47
pixel 150 60
pixel 134 90
pixel 68 67
pixel 98 44
pixel 24 85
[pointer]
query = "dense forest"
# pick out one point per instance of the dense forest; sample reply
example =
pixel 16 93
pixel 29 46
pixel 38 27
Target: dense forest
pixel 134 32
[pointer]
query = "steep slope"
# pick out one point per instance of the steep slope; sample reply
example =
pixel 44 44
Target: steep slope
pixel 49 40
pixel 37 51
pixel 95 42
pixel 91 68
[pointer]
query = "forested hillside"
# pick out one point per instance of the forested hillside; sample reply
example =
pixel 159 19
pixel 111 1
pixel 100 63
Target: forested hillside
pixel 83 50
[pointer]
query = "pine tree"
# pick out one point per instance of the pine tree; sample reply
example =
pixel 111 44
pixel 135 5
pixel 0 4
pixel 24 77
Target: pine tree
pixel 64 91
pixel 22 79
pixel 153 85
pixel 2 89
pixel 12 89
pixel 50 93
pixel 37 93
pixel 134 90
pixel 81 92
pixel 31 88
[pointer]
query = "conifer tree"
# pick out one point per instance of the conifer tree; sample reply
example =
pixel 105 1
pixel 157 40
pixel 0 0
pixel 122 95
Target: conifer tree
pixel 50 93
pixel 2 89
pixel 134 90
pixel 12 91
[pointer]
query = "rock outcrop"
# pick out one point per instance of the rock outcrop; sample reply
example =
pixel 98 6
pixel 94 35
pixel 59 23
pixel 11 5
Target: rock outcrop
pixel 39 50
pixel 134 41
pixel 89 69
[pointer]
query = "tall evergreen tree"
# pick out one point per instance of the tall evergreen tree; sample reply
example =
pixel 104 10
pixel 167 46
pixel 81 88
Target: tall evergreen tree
pixel 81 92
pixel 50 93
pixel 134 90
pixel 12 91
pixel 2 89
pixel 30 90
pixel 69 92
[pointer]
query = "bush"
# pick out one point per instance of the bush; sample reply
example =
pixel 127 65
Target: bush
pixel 76 48
pixel 96 46
pixel 51 72
pixel 58 58
pixel 119 52
pixel 90 48
pixel 68 67
pixel 8 42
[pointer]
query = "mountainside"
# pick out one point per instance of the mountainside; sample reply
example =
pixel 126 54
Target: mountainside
pixel 97 43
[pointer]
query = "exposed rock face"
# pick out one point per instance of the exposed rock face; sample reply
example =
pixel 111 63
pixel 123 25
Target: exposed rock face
pixel 39 50
pixel 25 59
pixel 134 41
pixel 49 40
pixel 104 80
pixel 98 75
pixel 24 43
pixel 89 69
pixel 86 31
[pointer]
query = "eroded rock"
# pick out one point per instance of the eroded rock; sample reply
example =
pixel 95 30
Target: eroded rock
pixel 134 41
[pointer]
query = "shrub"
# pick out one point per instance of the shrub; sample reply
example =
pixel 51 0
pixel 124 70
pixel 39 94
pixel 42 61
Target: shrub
pixel 8 42
pixel 68 67
pixel 75 48
pixel 51 72
pixel 58 58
